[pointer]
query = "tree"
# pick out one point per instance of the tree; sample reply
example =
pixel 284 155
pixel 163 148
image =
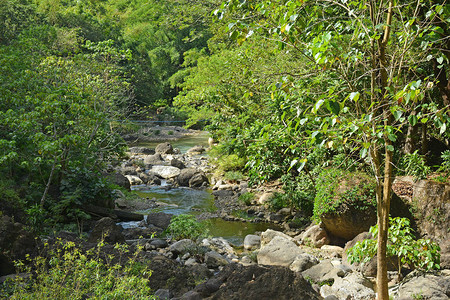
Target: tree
pixel 370 71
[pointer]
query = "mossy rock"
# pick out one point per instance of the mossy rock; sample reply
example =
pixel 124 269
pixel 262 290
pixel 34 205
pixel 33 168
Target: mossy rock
pixel 345 202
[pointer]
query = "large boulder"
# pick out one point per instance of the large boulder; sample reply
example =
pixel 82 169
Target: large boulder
pixel 278 252
pixel 107 230
pixel 345 202
pixel 425 286
pixel 165 172
pixel 322 272
pixel 164 148
pixel 159 219
pixel 236 282
pixel 191 177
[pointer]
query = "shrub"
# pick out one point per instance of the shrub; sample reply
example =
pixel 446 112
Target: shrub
pixel 186 227
pixel 246 198
pixel 68 273
pixel 421 254
pixel 337 187
pixel 445 166
pixel 234 176
pixel 414 165
pixel 231 163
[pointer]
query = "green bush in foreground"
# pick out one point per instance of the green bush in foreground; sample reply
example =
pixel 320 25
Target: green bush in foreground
pixel 421 254
pixel 186 227
pixel 67 273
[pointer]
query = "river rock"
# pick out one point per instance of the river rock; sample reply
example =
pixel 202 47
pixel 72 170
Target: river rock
pixel 252 242
pixel 303 262
pixel 278 252
pixel 350 287
pixel 219 244
pixel 184 179
pixel 182 246
pixel 214 260
pixel 163 294
pixel 141 150
pixel 158 243
pixel 159 219
pixel 425 286
pixel 118 179
pixel 177 163
pixel 134 180
pixel 155 159
pixel 164 148
pixel 314 236
pixel 108 230
pixel 269 234
pixel 165 172
pixel 198 180
pixel 196 150
pixel 323 271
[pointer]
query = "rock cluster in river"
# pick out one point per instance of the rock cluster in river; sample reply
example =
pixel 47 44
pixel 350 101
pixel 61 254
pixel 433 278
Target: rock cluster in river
pixel 165 163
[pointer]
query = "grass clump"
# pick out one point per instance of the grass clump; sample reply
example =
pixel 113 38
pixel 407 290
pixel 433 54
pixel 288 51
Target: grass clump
pixel 246 198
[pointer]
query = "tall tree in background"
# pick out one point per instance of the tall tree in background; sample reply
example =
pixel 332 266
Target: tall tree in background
pixel 371 64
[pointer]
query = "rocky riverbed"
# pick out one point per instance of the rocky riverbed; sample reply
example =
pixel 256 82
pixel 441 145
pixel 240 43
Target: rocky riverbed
pixel 293 260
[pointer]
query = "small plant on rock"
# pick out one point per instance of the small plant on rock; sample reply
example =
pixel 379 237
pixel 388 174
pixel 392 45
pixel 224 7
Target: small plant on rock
pixel 421 254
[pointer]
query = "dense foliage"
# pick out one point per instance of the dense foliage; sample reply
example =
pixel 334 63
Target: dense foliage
pixel 68 272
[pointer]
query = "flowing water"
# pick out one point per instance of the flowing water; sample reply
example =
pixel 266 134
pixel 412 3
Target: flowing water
pixel 183 200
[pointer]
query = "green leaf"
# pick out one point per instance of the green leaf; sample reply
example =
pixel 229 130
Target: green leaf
pixel 390 148
pixel 397 114
pixel 334 107
pixel 354 96
pixel 412 120
pixel 392 137
pixel 318 105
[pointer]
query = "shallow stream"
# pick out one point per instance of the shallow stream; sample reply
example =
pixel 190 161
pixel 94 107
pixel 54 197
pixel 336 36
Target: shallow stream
pixel 183 200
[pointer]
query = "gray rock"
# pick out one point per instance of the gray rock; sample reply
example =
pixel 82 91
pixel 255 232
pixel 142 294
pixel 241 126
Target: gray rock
pixel 323 271
pixel 314 236
pixel 266 197
pixel 128 170
pixel 191 295
pixel 219 244
pixel 141 150
pixel 182 246
pixel 196 150
pixel 134 180
pixel 119 180
pixel 214 260
pixel 185 176
pixel 160 219
pixel 164 148
pixel 165 172
pixel 252 242
pixel 350 287
pixel 278 252
pixel 198 180
pixel 108 230
pixel 177 163
pixel 425 287
pixel 163 294
pixel 303 262
pixel 269 234
pixel 155 159
pixel 159 243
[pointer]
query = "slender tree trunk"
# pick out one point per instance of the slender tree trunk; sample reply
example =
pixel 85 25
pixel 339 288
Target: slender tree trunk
pixel 384 202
